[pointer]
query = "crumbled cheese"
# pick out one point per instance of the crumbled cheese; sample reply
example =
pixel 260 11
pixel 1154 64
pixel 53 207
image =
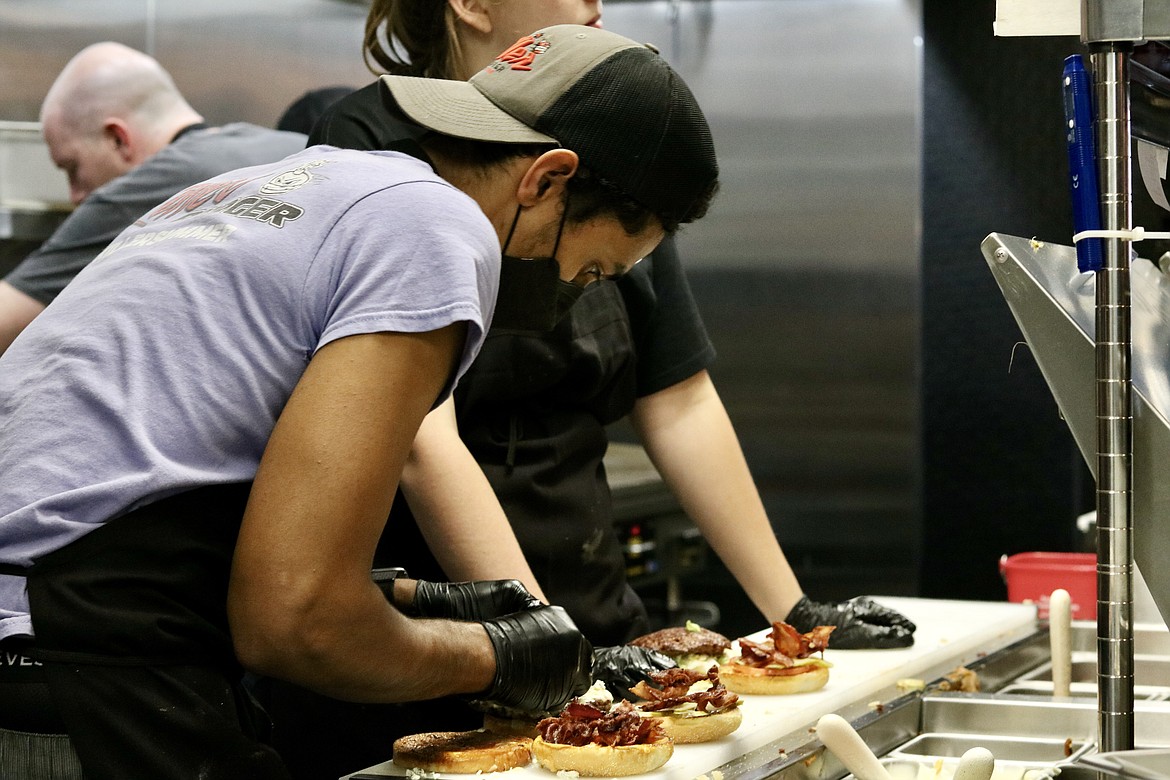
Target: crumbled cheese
pixel 597 696
pixel 910 684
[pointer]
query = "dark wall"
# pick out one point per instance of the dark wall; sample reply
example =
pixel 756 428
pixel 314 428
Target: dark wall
pixel 1000 471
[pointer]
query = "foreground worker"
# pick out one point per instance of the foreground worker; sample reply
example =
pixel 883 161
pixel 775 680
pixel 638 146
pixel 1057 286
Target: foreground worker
pixel 201 437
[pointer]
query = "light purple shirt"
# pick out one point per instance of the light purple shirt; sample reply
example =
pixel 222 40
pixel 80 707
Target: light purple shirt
pixel 164 366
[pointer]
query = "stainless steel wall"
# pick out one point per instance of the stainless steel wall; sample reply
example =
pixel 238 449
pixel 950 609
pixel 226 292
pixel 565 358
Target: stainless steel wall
pixel 806 268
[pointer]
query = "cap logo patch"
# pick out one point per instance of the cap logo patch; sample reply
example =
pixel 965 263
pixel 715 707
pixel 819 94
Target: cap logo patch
pixel 522 53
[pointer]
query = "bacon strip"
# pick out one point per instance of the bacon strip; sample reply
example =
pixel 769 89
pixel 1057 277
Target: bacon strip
pixel 784 645
pixel 582 724
pixel 674 691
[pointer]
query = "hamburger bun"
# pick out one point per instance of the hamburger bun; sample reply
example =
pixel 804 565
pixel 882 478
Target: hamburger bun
pixel 462 752
pixel 691 646
pixel 698 726
pixel 768 681
pixel 602 760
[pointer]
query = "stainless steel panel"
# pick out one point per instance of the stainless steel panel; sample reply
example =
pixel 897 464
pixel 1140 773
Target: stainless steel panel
pixel 814 104
pixel 234 61
pixel 1054 306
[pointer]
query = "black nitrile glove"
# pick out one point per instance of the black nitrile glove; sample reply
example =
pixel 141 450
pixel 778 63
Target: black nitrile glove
pixel 624 666
pixel 477 601
pixel 861 623
pixel 542 659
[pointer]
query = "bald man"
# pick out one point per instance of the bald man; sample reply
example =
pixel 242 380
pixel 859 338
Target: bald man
pixel 119 128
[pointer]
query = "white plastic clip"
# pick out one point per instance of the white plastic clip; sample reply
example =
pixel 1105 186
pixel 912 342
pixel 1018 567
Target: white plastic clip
pixel 1133 234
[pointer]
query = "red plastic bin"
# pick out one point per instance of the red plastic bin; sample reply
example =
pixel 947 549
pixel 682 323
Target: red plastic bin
pixel 1032 576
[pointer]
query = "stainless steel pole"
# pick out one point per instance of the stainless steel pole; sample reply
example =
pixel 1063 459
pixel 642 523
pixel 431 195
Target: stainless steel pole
pixel 1114 407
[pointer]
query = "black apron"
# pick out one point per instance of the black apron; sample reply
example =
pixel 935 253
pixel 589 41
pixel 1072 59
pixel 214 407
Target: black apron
pixel 131 625
pixel 532 411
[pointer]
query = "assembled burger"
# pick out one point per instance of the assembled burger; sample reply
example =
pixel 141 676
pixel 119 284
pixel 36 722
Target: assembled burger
pixel 691 707
pixel 601 743
pixel 692 647
pixel 782 663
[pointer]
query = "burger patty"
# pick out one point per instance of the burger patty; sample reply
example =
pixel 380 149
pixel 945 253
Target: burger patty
pixel 680 641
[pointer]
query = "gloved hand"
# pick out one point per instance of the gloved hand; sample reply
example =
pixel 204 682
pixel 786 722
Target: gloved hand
pixel 475 601
pixel 861 623
pixel 624 666
pixel 542 659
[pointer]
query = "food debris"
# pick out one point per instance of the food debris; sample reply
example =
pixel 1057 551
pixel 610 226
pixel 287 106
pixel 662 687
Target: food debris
pixel 910 684
pixel 1068 747
pixel 811 759
pixel 716 775
pixel 1036 244
pixel 877 706
pixel 961 679
pixel 783 753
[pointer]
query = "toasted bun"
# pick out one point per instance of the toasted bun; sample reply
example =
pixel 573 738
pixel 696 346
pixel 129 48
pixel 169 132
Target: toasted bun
pixel 740 678
pixel 684 641
pixel 462 752
pixel 687 728
pixel 600 760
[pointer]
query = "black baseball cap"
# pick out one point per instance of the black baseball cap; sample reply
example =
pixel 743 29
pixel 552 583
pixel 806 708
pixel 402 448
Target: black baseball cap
pixel 616 103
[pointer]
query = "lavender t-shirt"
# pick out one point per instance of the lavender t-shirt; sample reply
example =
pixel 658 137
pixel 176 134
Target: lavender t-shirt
pixel 164 365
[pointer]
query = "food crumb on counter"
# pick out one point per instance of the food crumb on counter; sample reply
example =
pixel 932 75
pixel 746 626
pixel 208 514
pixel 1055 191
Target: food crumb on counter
pixel 1068 751
pixel 716 775
pixel 910 684
pixel 961 679
pixel 876 706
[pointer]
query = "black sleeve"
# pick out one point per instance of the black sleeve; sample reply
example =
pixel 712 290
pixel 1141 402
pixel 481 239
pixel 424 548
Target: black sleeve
pixel 367 120
pixel 669 335
pixel 354 122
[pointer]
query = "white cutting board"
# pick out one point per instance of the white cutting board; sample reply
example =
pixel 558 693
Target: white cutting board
pixel 959 630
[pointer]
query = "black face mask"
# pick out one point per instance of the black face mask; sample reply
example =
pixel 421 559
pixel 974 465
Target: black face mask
pixel 533 298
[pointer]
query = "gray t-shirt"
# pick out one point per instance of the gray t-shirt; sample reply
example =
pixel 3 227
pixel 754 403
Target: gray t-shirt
pixel 164 366
pixel 194 156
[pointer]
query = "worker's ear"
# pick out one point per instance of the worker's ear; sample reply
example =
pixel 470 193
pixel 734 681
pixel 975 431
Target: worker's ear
pixel 120 137
pixel 474 13
pixel 547 177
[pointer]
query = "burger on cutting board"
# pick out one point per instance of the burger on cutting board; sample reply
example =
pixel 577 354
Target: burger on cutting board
pixel 691 707
pixel 784 662
pixel 691 646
